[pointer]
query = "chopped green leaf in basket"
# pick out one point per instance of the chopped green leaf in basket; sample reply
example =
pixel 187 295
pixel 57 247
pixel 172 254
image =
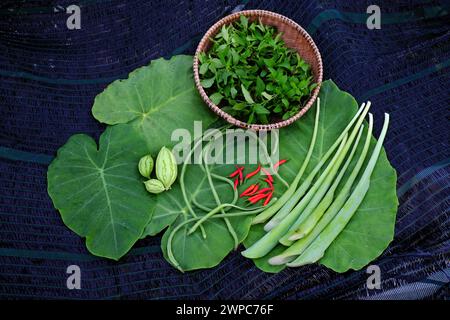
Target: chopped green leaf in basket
pixel 251 74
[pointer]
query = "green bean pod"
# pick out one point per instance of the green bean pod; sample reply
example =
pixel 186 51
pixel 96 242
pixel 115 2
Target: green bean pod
pixel 286 209
pixel 317 249
pixel 300 245
pixel 306 227
pixel 323 187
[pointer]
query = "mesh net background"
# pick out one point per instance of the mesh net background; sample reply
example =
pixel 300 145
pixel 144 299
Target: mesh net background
pixel 50 76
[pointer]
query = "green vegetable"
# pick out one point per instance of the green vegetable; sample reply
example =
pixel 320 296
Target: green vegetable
pixel 154 186
pixel 176 253
pixel 187 202
pixel 306 226
pixel 220 208
pixel 290 204
pixel 182 250
pixel 199 222
pixel 216 97
pixel 306 206
pixel 264 245
pixel 309 201
pixel 257 232
pixel 182 241
pixel 300 245
pixel 98 191
pixel 371 228
pixel 166 167
pixel 194 192
pixel 253 75
pixel 247 95
pixel 145 166
pixel 317 249
pixel 217 200
pixel 156 99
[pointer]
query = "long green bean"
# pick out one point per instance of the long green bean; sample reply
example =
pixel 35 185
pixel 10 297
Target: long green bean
pixel 300 245
pixel 170 254
pixel 217 199
pixel 286 209
pixel 183 172
pixel 220 178
pixel 220 208
pixel 182 185
pixel 223 179
pixel 317 249
pixel 200 206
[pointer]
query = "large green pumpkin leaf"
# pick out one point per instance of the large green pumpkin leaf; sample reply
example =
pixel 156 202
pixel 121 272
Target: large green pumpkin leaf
pixel 99 192
pixel 371 229
pixel 157 99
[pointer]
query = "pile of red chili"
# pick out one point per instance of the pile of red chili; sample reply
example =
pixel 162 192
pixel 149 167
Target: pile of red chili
pixel 253 193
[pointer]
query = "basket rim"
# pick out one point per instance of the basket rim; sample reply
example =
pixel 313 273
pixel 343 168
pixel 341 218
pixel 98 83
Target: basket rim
pixel 228 19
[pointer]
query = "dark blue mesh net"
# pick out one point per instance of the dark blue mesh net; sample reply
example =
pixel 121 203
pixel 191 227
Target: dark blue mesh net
pixel 50 76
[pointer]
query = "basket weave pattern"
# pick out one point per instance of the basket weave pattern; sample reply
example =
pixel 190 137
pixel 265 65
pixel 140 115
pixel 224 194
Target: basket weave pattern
pixel 295 38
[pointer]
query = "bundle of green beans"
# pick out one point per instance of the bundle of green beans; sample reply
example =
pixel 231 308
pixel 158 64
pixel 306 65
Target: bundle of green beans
pixel 222 210
pixel 309 216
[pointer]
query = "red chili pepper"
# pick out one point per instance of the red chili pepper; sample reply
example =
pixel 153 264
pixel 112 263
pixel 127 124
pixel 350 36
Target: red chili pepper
pixel 251 174
pixel 269 182
pixel 234 174
pixel 250 190
pixel 236 182
pixel 238 171
pixel 265 190
pixel 254 199
pixel 266 202
pixel 279 163
pixel 254 190
pixel 241 175
pixel 269 176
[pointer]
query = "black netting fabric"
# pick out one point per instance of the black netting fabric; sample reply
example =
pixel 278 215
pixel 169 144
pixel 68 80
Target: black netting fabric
pixel 49 76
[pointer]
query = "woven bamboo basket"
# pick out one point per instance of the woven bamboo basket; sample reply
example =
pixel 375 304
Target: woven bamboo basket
pixel 295 38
